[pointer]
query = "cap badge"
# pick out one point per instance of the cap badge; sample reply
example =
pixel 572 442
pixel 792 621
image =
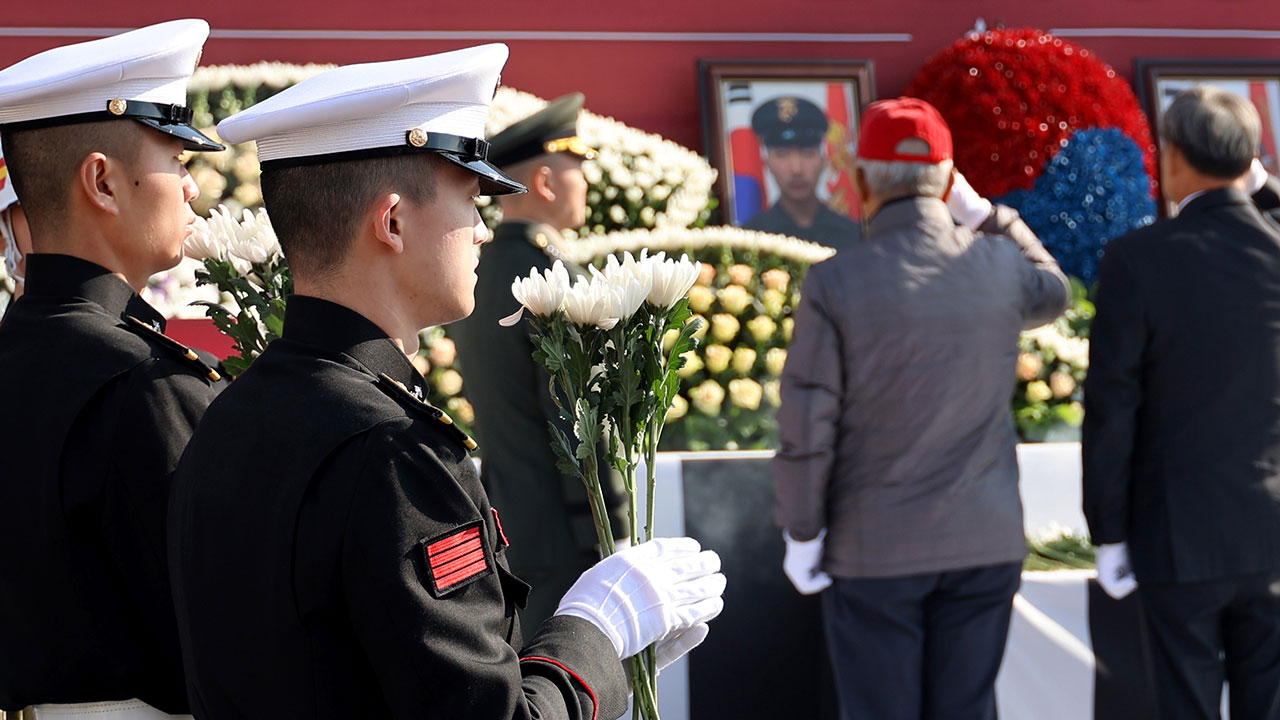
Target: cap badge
pixel 117 106
pixel 417 137
pixel 787 109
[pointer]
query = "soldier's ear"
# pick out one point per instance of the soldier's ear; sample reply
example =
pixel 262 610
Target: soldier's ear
pixel 98 180
pixel 387 218
pixel 542 183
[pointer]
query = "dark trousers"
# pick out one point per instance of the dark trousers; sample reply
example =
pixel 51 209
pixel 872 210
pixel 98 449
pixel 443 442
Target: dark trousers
pixel 922 646
pixel 1206 632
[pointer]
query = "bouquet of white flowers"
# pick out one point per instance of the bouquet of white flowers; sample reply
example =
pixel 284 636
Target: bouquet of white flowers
pixel 612 344
pixel 242 259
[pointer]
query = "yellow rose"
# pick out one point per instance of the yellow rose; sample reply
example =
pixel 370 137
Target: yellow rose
pixel 788 328
pixel 700 298
pixel 734 298
pixel 724 327
pixel 692 364
pixel 462 410
pixel 701 333
pixel 1038 391
pixel 707 397
pixel 775 359
pixel 740 274
pixel 443 352
pixel 744 358
pixel 669 339
pixel 718 358
pixel 449 383
pixel 775 279
pixel 1062 384
pixel 762 327
pixel 1029 367
pixel 707 274
pixel 745 393
pixel 248 194
pixel 679 408
pixel 773 392
pixel 774 301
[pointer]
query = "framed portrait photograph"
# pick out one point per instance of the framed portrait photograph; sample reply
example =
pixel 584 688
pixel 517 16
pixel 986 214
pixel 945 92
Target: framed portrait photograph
pixel 782 135
pixel 1160 81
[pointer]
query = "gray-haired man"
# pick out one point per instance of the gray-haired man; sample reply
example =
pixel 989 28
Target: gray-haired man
pixel 897 479
pixel 1182 424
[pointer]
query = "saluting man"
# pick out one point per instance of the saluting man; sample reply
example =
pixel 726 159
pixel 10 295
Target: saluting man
pixel 543 507
pixel 333 552
pixel 93 138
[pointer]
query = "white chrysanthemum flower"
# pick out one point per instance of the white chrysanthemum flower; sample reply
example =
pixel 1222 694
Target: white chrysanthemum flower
pixel 588 303
pixel 628 281
pixel 672 280
pixel 253 238
pixel 541 294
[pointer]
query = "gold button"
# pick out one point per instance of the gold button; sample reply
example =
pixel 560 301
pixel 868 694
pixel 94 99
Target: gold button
pixel 191 355
pixel 541 240
pixel 444 418
pixel 417 137
pixel 214 376
pixel 117 106
pixel 469 444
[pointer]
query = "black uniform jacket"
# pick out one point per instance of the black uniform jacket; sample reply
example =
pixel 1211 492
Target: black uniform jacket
pixel 334 555
pixel 544 507
pixel 1182 421
pixel 98 408
pixel 829 227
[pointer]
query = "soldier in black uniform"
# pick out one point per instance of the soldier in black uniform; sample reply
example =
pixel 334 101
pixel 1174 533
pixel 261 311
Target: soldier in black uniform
pixel 106 402
pixel 792 130
pixel 333 552
pixel 543 506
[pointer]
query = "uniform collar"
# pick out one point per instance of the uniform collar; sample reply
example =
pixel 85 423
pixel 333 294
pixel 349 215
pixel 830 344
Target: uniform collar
pixel 332 327
pixel 61 276
pixel 909 212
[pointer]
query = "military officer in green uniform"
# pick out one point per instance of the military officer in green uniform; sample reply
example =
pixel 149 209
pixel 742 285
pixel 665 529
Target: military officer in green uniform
pixel 792 130
pixel 545 511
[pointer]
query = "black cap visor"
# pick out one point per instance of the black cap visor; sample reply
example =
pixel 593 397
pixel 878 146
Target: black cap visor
pixel 492 180
pixel 192 139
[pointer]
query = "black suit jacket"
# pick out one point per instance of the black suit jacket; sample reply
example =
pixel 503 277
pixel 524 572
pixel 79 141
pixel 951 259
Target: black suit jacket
pixel 1182 424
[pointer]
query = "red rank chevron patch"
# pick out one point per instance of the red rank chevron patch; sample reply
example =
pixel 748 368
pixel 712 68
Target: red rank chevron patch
pixel 456 558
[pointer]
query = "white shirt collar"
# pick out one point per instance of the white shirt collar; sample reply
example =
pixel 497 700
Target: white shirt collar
pixel 1187 200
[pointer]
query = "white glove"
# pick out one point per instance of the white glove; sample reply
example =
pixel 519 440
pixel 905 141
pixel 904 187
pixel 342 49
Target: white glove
pixel 803 563
pixel 674 647
pixel 649 592
pixel 966 205
pixel 1114 572
pixel 1255 178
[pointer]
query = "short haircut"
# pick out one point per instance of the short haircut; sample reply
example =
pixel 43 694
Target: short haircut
pixel 1218 132
pixel 43 163
pixel 316 210
pixel 898 178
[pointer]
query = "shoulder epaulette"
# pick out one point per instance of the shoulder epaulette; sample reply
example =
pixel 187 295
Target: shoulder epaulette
pixel 153 333
pixel 397 390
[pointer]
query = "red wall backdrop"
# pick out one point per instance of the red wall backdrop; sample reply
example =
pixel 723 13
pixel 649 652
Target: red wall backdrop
pixel 637 61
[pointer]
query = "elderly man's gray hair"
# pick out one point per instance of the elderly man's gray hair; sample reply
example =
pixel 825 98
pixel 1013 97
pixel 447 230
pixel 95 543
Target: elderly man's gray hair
pixel 1219 132
pixel 896 178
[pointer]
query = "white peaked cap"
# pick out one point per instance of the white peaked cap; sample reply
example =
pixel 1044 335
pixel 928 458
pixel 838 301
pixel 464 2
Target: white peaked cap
pixel 141 75
pixel 434 104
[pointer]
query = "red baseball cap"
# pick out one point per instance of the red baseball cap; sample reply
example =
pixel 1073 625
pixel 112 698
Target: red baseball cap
pixel 886 123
